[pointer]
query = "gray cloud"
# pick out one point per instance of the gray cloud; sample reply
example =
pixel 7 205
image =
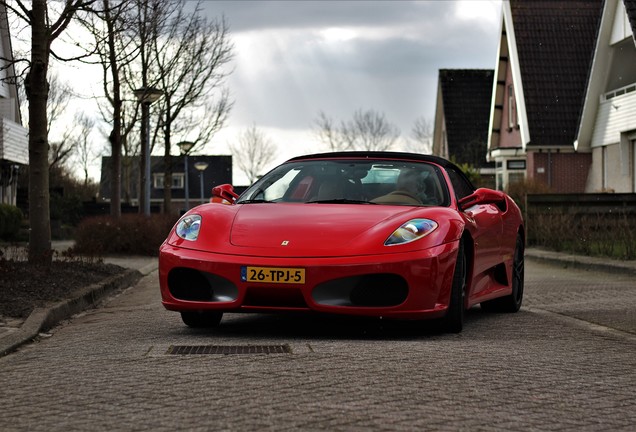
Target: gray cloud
pixel 261 15
pixel 286 74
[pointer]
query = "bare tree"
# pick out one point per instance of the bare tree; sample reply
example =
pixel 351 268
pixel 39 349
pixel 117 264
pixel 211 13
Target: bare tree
pixel 82 144
pixel 148 18
pixel 60 92
pixel 113 33
pixel 367 130
pixel 59 96
pixel 190 55
pixel 329 134
pixel 422 137
pixel 46 26
pixel 253 151
pixel 60 150
pixel 158 45
pixel 112 58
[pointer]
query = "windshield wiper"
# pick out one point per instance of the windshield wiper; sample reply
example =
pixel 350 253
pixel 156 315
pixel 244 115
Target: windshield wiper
pixel 340 201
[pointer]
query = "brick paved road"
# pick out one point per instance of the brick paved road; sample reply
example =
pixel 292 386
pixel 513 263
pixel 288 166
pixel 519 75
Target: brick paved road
pixel 535 370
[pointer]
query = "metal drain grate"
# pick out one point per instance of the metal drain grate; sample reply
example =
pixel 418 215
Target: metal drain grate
pixel 229 349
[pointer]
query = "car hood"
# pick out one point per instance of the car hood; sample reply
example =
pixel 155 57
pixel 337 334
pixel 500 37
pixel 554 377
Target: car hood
pixel 308 226
pixel 312 230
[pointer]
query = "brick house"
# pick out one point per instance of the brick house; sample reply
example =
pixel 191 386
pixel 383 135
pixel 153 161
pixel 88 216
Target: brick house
pixel 217 171
pixel 461 118
pixel 545 52
pixel 14 144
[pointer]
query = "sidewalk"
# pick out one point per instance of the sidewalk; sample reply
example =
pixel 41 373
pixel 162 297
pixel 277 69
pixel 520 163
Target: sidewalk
pixel 43 318
pixel 18 332
pixel 583 262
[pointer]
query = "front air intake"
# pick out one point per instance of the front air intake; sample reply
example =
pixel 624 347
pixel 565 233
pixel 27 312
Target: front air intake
pixel 370 290
pixel 194 285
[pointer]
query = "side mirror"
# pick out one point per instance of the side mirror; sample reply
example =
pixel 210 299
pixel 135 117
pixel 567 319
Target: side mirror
pixel 223 194
pixel 482 196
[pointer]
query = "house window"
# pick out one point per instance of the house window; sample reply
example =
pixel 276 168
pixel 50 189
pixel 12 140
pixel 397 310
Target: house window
pixel 177 180
pixel 512 109
pixel 516 164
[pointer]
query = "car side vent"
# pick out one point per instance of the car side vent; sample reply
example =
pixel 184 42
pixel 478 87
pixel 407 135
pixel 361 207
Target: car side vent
pixel 502 205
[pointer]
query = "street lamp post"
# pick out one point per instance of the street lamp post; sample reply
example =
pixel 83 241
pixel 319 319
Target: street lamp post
pixel 146 96
pixel 201 166
pixel 185 147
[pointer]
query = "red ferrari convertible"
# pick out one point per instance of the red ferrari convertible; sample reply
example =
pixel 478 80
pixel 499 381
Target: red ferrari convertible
pixel 377 234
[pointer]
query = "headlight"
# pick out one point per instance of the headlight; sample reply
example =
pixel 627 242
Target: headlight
pixel 188 227
pixel 411 231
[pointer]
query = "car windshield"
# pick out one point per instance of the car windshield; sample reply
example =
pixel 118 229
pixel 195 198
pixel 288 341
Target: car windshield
pixel 385 182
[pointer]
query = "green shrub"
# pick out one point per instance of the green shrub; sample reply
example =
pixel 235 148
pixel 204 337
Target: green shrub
pixel 469 170
pixel 10 220
pixel 129 235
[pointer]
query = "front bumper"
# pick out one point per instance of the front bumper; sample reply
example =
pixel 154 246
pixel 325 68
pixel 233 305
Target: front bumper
pixel 411 285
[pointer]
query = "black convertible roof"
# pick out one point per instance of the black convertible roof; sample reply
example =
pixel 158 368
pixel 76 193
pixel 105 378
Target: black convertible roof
pixel 378 155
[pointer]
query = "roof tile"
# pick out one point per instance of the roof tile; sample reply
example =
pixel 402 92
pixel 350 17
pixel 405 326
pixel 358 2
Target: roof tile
pixel 466 96
pixel 555 44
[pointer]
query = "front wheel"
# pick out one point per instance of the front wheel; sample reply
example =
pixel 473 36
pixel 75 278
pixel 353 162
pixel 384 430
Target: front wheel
pixel 512 302
pixel 201 319
pixel 453 322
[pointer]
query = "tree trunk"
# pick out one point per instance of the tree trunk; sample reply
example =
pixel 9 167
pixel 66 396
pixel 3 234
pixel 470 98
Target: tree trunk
pixel 115 171
pixel 37 93
pixel 115 135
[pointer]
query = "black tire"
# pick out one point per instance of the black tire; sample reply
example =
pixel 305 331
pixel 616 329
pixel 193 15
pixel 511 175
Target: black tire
pixel 202 319
pixel 512 302
pixel 453 322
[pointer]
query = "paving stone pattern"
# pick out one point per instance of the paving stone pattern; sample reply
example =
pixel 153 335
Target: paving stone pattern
pixel 108 369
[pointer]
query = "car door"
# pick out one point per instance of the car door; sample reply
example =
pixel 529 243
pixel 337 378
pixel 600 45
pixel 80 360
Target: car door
pixel 485 224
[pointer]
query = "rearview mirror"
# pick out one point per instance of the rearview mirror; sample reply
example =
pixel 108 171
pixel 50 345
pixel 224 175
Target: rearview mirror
pixel 223 194
pixel 482 196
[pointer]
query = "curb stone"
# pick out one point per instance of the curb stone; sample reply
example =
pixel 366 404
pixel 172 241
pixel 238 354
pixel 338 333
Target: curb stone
pixel 582 262
pixel 45 318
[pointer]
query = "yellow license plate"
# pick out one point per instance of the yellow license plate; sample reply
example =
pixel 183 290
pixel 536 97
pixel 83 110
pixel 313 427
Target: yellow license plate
pixel 277 275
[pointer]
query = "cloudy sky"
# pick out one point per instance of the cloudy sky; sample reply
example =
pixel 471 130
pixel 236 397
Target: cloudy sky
pixel 294 59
